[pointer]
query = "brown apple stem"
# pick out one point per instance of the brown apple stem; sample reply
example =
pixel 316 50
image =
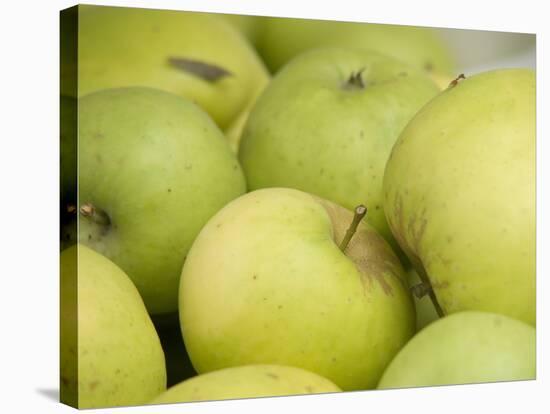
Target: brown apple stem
pixel 455 81
pixel 96 215
pixel 360 212
pixel 206 71
pixel 426 281
pixel 420 290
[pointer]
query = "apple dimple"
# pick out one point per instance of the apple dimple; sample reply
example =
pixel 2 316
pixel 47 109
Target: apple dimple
pixel 369 252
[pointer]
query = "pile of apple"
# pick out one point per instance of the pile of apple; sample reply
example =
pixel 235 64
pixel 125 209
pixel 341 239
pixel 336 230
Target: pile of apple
pixel 355 220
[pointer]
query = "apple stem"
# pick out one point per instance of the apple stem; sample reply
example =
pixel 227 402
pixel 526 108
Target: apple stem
pixel 355 80
pixel 98 216
pixel 206 71
pixel 420 290
pixel 360 212
pixel 455 81
pixel 426 281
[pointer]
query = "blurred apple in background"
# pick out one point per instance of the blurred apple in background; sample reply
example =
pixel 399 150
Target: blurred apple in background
pixel 482 50
pixel 281 39
pixel 194 55
pixel 249 26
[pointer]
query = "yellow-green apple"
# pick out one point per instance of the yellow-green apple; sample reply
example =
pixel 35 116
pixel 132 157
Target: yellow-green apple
pixel 195 55
pixel 465 347
pixel 280 39
pixel 326 125
pixel 459 194
pixel 273 278
pixel 153 168
pixel 249 381
pixel 110 352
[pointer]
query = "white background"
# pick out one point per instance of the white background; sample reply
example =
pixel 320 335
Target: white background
pixel 28 210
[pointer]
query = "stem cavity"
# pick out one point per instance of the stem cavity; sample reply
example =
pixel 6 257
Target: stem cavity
pixel 360 212
pixel 94 214
pixel 355 80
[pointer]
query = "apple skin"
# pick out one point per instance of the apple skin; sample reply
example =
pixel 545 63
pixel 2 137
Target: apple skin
pixel 265 282
pixel 459 194
pixel 121 47
pixel 465 347
pixel 248 25
pixel 311 131
pixel 159 167
pixel 281 39
pixel 110 352
pixel 249 381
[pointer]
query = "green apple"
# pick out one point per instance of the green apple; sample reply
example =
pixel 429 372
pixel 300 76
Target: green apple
pixel 465 347
pixel 283 38
pixel 459 194
pixel 249 381
pixel 326 125
pixel 194 55
pixel 110 352
pixel 153 168
pixel 266 282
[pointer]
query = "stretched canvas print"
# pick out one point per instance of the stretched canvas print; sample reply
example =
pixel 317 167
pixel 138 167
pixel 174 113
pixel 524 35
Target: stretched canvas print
pixel 257 206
